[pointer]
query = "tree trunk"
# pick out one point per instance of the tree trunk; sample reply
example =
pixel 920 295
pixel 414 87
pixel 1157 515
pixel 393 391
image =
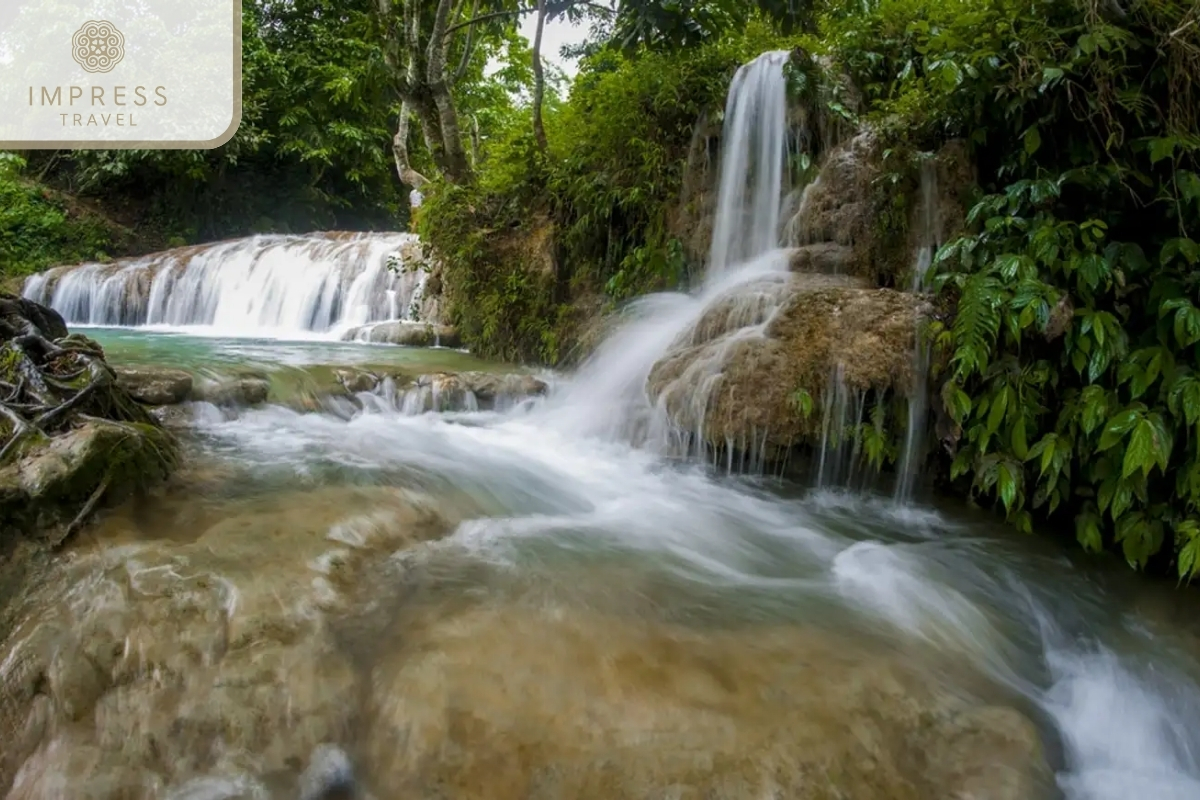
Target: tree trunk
pixel 458 169
pixel 408 175
pixel 539 78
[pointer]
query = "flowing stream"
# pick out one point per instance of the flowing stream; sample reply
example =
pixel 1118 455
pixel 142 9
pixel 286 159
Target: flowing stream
pixel 548 603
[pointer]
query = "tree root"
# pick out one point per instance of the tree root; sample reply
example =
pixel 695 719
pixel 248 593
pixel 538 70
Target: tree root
pixel 88 507
pixel 52 381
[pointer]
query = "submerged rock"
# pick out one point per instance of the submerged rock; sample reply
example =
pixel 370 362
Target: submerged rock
pixel 411 334
pixel 155 386
pixel 733 377
pixel 201 662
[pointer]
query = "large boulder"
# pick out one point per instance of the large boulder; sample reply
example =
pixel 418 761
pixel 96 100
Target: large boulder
pixel 735 378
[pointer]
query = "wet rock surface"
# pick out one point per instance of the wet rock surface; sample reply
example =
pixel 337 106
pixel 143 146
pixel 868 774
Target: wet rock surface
pixel 232 391
pixel 72 438
pixel 317 644
pixel 155 386
pixel 410 334
pixel 734 375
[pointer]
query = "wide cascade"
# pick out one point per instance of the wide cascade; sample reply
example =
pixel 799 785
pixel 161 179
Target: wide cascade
pixel 262 285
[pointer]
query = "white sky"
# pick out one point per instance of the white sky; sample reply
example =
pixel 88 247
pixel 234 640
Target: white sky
pixel 556 34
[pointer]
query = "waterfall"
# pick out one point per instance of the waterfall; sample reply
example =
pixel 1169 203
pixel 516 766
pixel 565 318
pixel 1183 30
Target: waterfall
pixel 918 401
pixel 753 156
pixel 262 285
pixel 746 277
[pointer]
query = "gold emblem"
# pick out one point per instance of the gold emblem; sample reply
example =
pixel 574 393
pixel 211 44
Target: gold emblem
pixel 98 46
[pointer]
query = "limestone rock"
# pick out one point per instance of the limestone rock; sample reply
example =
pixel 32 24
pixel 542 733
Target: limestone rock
pixel 469 391
pixel 356 380
pixel 828 258
pixel 410 334
pixel 734 382
pixel 155 386
pixel 240 391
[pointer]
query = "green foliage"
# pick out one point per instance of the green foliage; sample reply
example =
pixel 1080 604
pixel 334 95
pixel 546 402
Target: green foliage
pixel 1070 358
pixel 539 235
pixel 39 229
pixel 313 149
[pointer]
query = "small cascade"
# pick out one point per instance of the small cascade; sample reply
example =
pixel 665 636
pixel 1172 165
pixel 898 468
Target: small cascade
pixel 913 455
pixel 753 160
pixel 262 285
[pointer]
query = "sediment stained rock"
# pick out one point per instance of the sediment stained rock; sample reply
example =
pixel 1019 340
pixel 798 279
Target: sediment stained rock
pixel 733 381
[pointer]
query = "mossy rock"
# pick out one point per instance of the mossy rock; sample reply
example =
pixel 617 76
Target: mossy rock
pixel 42 492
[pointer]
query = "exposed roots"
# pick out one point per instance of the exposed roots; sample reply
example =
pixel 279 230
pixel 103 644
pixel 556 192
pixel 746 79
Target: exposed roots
pixel 45 383
pixel 59 398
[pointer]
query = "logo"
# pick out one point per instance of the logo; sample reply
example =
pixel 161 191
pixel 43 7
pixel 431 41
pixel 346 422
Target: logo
pixel 98 46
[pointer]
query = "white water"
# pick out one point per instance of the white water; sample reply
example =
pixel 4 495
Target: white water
pixel 753 157
pixel 283 286
pixel 1116 691
pixel 918 399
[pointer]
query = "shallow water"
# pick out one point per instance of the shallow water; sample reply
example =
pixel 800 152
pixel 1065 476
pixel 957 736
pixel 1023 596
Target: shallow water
pixel 495 606
pixel 199 350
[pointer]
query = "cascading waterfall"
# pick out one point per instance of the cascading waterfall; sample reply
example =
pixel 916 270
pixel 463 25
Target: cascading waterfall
pixel 746 278
pixel 262 285
pixel 753 159
pixel 918 400
pixel 429 600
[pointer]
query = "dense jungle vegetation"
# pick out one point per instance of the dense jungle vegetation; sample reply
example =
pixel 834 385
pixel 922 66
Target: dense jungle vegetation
pixel 1067 344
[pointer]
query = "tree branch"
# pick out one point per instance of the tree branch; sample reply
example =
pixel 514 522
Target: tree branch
pixel 486 17
pixel 468 48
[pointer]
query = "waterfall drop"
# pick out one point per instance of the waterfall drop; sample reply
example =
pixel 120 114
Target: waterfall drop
pixel 918 401
pixel 754 155
pixel 263 285
pixel 746 280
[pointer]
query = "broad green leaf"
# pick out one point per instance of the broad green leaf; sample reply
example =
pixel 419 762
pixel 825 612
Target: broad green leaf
pixel 1118 425
pixel 1007 483
pixel 1162 148
pixel 1142 452
pixel 1020 445
pixel 1033 140
pixel 1087 532
pixel 1189 184
pixel 999 407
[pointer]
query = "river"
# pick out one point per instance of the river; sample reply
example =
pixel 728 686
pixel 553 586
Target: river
pixel 564 599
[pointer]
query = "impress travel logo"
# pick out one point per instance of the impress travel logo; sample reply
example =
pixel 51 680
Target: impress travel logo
pixel 98 46
pixel 119 73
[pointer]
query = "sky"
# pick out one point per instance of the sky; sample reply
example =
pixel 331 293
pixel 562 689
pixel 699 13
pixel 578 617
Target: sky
pixel 556 34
